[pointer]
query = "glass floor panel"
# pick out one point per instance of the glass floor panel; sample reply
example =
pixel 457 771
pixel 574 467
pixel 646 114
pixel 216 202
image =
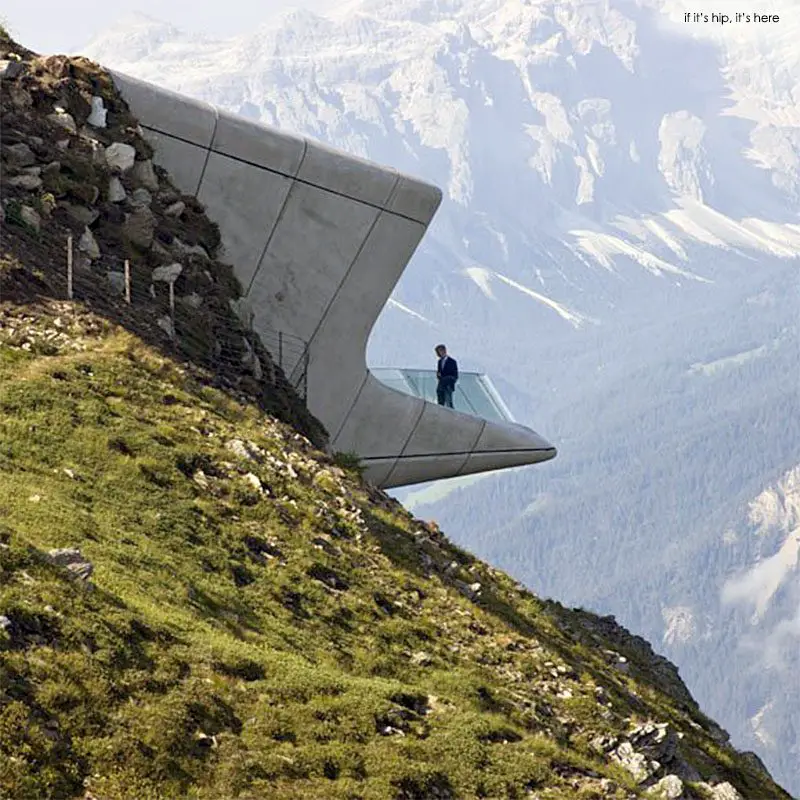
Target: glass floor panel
pixel 475 394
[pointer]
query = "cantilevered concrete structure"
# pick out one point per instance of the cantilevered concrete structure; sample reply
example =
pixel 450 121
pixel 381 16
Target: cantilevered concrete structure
pixel 318 240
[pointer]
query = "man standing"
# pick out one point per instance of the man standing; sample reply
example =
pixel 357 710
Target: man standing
pixel 446 375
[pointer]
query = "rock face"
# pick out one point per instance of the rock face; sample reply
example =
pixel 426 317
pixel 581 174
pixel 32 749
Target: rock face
pixel 97 118
pixel 9 69
pixel 116 191
pixel 29 182
pixel 19 155
pixel 71 559
pixel 140 227
pixel 144 174
pixel 168 274
pixel 31 218
pixel 88 244
pixel 120 157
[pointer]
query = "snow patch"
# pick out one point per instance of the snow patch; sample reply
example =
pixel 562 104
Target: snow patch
pixel 483 278
pixel 573 317
pixel 406 310
pixel 729 362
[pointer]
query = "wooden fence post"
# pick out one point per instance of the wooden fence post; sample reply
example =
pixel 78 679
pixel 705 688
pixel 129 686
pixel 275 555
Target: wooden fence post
pixel 69 267
pixel 172 306
pixel 127 281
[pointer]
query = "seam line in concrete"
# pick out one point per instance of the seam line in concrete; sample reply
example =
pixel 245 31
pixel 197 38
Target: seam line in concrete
pixel 349 411
pixel 280 216
pixel 472 449
pixel 345 277
pixel 464 452
pixel 287 175
pixel 208 152
pixel 406 443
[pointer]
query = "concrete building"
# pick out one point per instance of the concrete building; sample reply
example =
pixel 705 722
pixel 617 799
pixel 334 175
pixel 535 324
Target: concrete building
pixel 318 239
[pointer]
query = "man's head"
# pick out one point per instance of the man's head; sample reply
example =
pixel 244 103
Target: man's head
pixel 441 350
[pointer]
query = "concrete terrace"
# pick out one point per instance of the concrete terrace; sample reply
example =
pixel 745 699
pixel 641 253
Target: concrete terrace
pixel 318 240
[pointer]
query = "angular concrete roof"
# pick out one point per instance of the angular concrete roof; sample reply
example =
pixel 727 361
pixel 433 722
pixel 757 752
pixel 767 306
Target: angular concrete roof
pixel 318 240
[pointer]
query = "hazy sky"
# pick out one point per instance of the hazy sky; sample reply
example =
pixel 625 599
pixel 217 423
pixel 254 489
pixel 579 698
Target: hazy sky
pixel 51 26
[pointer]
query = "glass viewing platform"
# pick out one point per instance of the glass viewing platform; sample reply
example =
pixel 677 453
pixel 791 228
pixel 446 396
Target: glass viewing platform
pixel 475 393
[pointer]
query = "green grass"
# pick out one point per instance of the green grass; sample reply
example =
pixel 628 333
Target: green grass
pixel 278 638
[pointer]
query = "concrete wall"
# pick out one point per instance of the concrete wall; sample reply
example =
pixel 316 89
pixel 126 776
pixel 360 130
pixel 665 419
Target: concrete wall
pixel 318 240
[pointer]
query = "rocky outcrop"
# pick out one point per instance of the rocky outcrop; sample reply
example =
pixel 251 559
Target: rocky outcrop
pixel 74 161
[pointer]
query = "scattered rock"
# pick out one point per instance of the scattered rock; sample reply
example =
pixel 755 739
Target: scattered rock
pixel 725 791
pixel 97 117
pixel 25 181
pixel 74 562
pixel 195 249
pixel 261 549
pixel 88 244
pixel 20 155
pixel 165 323
pixel 327 547
pixel 254 481
pixel 19 97
pixel 159 250
pixel 657 741
pixel 471 591
pixel 10 69
pixel 117 281
pixel 421 659
pixel 120 156
pixel 98 152
pixel 668 788
pixel 636 763
pixel 175 209
pixel 5 622
pixel 81 214
pixel 193 300
pixel 140 227
pixel 116 191
pixel 31 218
pixel 64 120
pixel 200 478
pixel 326 575
pixel 141 198
pixel 168 274
pixel 246 450
pixel 144 175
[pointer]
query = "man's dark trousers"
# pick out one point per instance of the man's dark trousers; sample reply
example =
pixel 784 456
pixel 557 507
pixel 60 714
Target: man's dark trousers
pixel 444 391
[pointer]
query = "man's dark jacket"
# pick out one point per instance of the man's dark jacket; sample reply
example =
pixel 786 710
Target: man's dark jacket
pixel 448 368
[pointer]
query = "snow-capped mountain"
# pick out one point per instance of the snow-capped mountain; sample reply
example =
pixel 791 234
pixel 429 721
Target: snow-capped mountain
pixel 618 248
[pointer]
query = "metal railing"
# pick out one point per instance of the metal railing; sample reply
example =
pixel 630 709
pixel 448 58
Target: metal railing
pixel 474 393
pixel 290 353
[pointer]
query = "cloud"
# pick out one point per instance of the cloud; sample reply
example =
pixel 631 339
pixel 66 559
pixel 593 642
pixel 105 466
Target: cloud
pixel 758 585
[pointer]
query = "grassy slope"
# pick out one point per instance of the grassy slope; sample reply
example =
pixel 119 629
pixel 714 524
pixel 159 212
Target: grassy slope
pixel 302 642
pixel 259 623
